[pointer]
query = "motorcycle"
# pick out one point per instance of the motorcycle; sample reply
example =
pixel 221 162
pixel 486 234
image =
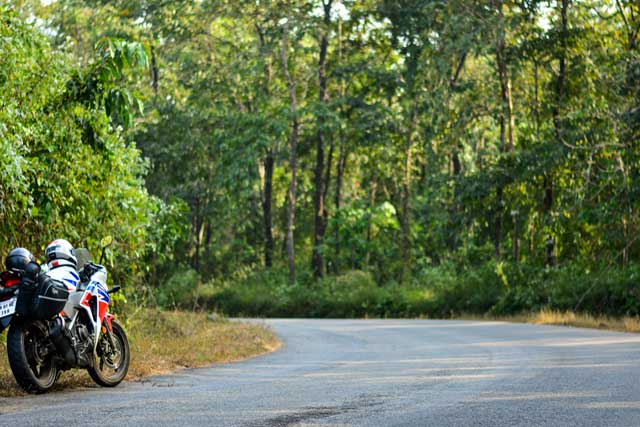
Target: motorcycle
pixel 54 327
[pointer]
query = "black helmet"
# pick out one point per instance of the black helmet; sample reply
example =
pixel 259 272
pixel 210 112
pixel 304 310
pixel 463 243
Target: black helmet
pixel 18 259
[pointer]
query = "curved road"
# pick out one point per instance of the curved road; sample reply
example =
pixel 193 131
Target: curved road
pixel 379 373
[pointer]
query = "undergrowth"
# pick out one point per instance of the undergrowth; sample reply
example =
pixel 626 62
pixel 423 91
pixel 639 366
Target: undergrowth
pixel 442 291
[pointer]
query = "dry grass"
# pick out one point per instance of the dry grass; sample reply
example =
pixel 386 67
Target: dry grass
pixel 568 318
pixel 162 342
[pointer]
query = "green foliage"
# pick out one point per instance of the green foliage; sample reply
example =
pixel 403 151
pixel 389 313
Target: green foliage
pixel 353 294
pixel 441 291
pixel 67 169
pixel 459 138
pixel 180 290
pixel 366 234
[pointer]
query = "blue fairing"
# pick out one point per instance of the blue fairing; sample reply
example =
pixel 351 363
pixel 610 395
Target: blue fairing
pixel 104 296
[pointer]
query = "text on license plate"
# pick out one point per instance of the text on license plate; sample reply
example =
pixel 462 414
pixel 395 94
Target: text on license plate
pixel 8 307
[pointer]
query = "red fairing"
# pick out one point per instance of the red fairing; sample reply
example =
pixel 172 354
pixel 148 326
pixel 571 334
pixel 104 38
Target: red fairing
pixel 102 309
pixel 85 299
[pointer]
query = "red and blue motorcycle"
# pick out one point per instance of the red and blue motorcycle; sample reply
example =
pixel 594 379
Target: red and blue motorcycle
pixel 57 325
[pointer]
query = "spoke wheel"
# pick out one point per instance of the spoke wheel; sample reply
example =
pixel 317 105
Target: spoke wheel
pixel 30 358
pixel 112 358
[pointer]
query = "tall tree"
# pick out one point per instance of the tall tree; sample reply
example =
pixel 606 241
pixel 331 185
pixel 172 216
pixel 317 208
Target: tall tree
pixel 505 118
pixel 321 178
pixel 293 151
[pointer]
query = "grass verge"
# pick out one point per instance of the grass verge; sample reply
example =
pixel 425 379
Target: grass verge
pixel 568 318
pixel 162 342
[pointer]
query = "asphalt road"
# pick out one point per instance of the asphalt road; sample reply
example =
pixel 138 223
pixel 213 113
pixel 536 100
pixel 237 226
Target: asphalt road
pixel 379 373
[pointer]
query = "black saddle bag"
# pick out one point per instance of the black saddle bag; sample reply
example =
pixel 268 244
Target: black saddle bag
pixel 43 299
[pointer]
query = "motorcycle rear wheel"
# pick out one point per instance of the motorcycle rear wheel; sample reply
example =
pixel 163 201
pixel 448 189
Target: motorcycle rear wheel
pixel 111 363
pixel 33 366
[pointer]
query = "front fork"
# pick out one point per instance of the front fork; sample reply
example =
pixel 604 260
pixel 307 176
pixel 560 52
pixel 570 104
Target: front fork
pixel 107 329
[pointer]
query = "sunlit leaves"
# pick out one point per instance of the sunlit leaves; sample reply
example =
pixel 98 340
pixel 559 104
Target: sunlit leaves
pixel 65 169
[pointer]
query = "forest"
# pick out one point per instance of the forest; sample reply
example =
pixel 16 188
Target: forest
pixel 331 158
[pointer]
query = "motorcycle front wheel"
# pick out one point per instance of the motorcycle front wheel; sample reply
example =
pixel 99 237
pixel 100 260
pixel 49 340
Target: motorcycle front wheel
pixel 112 360
pixel 30 356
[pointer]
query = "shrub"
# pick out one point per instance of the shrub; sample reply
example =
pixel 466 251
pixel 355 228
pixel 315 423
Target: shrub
pixel 180 290
pixel 436 291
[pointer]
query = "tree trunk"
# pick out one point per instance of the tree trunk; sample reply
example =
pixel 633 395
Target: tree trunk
pixel 317 260
pixel 549 249
pixel 497 237
pixel 507 124
pixel 293 155
pixel 195 229
pixel 631 19
pixel 515 243
pixel 207 250
pixel 326 186
pixel 342 163
pixel 372 202
pixel 327 178
pixel 405 219
pixel 456 165
pixel 557 124
pixel 154 70
pixel 562 69
pixel 266 209
pixel 455 170
pixel 268 163
pixel 627 214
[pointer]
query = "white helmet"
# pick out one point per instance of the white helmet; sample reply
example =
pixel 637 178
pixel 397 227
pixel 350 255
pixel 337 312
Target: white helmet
pixel 61 251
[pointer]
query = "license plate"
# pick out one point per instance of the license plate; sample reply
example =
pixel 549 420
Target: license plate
pixel 8 307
